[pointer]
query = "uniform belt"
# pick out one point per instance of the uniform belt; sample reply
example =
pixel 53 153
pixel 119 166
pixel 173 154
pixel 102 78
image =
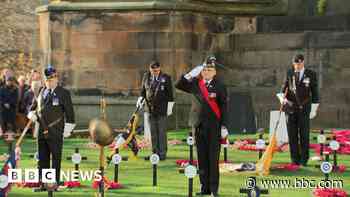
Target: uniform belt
pixel 54 122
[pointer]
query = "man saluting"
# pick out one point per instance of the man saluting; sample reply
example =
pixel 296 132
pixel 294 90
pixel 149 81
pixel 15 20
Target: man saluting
pixel 54 112
pixel 209 109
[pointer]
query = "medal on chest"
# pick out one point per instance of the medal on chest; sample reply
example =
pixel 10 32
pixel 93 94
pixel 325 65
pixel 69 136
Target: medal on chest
pixel 306 81
pixel 55 100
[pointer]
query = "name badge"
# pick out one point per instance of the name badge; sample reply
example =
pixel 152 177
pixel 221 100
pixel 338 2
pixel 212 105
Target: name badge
pixel 55 101
pixel 306 81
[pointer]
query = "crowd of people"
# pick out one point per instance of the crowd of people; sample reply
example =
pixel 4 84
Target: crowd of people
pixel 17 94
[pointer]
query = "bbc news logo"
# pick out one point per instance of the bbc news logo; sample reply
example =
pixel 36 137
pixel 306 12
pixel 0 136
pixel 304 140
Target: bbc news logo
pixel 49 175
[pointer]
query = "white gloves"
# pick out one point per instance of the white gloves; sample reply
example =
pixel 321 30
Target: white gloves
pixel 283 100
pixel 7 106
pixel 68 128
pixel 280 97
pixel 194 72
pixel 314 107
pixel 36 129
pixel 140 102
pixel 224 132
pixel 18 152
pixel 119 141
pixel 32 116
pixel 170 108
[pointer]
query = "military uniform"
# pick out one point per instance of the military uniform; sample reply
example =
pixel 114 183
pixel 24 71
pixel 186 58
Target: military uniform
pixel 157 92
pixel 302 91
pixel 54 110
pixel 207 128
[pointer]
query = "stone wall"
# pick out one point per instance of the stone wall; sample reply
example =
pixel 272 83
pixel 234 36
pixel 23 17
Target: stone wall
pixel 19 35
pixel 94 49
pixel 259 62
pixel 120 109
pixel 256 65
pixel 114 49
pixel 255 62
pixel 338 7
pixel 309 7
pixel 292 24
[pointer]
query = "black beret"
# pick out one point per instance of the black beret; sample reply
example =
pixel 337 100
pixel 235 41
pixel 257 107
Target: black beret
pixel 299 58
pixel 154 64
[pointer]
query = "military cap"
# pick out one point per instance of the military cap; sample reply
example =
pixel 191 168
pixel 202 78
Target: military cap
pixel 50 72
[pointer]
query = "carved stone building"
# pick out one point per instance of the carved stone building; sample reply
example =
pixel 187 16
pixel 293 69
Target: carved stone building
pixel 109 44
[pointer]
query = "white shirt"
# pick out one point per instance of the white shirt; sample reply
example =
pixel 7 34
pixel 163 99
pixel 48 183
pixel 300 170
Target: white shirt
pixel 47 91
pixel 207 82
pixel 301 73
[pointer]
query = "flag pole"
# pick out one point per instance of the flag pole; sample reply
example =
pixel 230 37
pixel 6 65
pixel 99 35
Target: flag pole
pixel 264 164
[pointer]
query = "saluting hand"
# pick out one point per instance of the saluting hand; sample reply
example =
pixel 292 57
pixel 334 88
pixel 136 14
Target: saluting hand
pixel 194 72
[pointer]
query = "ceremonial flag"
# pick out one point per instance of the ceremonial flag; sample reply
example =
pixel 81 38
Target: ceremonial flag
pixel 9 164
pixel 264 164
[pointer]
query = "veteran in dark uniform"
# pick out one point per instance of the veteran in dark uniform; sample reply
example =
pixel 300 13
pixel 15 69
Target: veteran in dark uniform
pixel 54 112
pixel 208 112
pixel 157 92
pixel 301 103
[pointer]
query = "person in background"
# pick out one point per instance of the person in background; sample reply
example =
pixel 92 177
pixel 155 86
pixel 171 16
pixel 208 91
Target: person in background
pixel 6 72
pixel 30 95
pixel 22 88
pixel 34 75
pixel 157 93
pixel 8 104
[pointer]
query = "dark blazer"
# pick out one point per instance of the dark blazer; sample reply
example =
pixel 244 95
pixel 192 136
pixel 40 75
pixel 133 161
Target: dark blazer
pixel 306 89
pixel 54 111
pixel 8 95
pixel 21 93
pixel 157 94
pixel 28 101
pixel 200 110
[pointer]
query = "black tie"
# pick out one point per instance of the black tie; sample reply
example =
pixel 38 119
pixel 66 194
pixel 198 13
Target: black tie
pixel 48 96
pixel 297 76
pixel 154 83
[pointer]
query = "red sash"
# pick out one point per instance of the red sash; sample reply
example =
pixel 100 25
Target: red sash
pixel 212 102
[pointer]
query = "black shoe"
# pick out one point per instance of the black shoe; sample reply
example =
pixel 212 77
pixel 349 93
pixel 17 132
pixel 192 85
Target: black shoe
pixel 203 193
pixel 214 194
pixel 147 158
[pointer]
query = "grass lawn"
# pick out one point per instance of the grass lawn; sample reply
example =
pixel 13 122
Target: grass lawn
pixel 136 175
